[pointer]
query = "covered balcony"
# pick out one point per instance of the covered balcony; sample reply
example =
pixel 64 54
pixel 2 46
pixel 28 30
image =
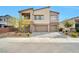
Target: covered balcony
pixel 25 22
pixel 25 18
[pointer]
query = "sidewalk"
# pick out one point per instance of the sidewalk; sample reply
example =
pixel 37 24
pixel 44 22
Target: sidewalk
pixel 39 40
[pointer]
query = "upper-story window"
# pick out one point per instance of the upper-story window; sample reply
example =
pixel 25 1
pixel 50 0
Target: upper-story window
pixel 54 18
pixel 0 19
pixel 4 19
pixel 38 17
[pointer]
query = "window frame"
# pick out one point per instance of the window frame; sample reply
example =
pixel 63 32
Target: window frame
pixel 38 17
pixel 1 19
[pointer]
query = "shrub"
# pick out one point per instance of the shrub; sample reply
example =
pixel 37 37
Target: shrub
pixel 61 29
pixel 77 30
pixel 66 32
pixel 74 34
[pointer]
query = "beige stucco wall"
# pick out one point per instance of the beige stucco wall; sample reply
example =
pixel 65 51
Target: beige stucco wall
pixel 54 14
pixel 44 12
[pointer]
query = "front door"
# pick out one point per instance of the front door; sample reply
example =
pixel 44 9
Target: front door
pixel 27 29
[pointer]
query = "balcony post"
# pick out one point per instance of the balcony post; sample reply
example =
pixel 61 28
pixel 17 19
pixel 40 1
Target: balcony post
pixel 48 27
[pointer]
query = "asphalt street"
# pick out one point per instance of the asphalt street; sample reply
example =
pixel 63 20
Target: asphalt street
pixel 27 47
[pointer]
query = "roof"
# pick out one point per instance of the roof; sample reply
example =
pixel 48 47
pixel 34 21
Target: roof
pixel 55 12
pixel 6 16
pixel 73 18
pixel 38 9
pixel 42 8
pixel 32 9
pixel 26 10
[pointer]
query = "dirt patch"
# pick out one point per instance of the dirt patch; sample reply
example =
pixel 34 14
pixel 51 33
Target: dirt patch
pixel 13 34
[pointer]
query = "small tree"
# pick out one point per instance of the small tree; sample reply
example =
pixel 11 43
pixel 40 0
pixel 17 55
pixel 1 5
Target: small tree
pixel 68 24
pixel 24 25
pixel 13 22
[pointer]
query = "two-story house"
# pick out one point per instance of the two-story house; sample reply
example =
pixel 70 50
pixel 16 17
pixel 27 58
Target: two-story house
pixel 42 20
pixel 3 21
pixel 6 23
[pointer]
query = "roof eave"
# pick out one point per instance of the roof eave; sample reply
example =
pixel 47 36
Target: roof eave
pixel 26 10
pixel 55 12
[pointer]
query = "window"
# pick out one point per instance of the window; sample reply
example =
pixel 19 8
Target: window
pixel 27 17
pixel 54 18
pixel 77 25
pixel 0 19
pixel 0 25
pixel 38 17
pixel 4 19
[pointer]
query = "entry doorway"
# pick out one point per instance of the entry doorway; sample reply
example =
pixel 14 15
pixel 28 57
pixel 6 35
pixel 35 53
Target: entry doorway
pixel 27 29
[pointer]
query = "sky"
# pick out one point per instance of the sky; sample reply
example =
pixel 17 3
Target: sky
pixel 66 12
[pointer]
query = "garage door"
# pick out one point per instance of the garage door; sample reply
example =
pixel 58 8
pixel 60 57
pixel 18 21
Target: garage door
pixel 53 28
pixel 41 28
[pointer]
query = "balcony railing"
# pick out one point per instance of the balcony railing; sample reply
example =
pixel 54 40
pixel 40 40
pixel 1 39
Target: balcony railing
pixel 25 21
pixel 3 22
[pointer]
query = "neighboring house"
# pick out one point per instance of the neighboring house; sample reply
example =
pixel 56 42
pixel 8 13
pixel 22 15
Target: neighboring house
pixel 74 20
pixel 5 23
pixel 43 19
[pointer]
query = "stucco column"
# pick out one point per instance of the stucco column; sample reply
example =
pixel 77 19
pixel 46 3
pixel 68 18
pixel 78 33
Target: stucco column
pixel 48 27
pixel 31 18
pixel 31 28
